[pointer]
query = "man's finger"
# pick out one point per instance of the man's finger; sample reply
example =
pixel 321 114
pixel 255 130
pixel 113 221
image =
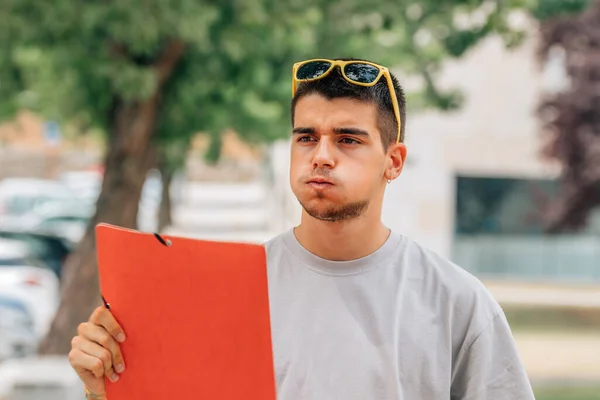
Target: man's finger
pixel 99 336
pixel 84 362
pixel 99 352
pixel 103 317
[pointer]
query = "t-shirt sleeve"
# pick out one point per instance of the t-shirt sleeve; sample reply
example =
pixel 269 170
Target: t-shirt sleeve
pixel 490 367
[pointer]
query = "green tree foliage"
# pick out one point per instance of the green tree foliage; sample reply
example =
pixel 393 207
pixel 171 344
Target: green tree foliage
pixel 69 60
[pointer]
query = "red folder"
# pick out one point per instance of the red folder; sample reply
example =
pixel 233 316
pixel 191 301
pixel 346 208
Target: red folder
pixel 196 316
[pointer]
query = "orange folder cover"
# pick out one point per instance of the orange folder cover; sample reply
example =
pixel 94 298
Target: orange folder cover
pixel 196 316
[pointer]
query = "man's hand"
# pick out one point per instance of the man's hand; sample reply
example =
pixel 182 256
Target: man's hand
pixel 95 352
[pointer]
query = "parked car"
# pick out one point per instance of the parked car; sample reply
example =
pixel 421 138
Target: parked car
pixel 69 224
pixel 12 253
pixel 52 250
pixel 29 281
pixel 17 332
pixel 19 196
pixel 86 184
pixel 67 219
pixel 39 378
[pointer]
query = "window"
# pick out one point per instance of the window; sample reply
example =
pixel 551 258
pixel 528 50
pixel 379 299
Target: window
pixel 502 205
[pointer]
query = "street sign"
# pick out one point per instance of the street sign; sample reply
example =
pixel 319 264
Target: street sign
pixel 52 135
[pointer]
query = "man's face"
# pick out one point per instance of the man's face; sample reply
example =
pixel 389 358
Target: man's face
pixel 337 158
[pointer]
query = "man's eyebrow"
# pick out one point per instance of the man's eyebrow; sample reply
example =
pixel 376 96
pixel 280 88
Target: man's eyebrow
pixel 337 131
pixel 304 130
pixel 350 131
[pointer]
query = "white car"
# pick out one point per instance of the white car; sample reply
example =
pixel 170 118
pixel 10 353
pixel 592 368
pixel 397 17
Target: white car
pixel 21 195
pixel 86 184
pixel 30 282
pixel 39 377
pixel 17 333
pixel 67 219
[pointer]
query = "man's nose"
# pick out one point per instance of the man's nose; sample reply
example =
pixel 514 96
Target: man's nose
pixel 324 155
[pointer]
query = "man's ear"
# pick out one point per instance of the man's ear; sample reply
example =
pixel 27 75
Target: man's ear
pixel 396 158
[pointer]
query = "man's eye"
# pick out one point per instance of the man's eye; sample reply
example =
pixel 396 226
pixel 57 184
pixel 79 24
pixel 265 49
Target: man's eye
pixel 348 140
pixel 305 139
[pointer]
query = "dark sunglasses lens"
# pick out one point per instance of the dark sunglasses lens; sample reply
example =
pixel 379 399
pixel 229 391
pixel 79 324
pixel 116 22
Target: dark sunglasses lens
pixel 363 73
pixel 312 70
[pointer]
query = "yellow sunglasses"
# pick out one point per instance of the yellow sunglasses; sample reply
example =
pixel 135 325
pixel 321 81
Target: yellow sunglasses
pixel 362 73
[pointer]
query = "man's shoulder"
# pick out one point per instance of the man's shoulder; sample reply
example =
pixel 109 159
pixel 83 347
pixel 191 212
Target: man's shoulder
pixel 435 271
pixel 440 284
pixel 424 261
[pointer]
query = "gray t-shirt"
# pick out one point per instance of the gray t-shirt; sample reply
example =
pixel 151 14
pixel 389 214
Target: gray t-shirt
pixel 401 323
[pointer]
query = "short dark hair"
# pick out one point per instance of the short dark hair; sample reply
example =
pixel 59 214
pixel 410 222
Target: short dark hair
pixel 335 86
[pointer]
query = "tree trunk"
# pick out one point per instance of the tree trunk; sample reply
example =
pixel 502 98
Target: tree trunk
pixel 130 154
pixel 165 217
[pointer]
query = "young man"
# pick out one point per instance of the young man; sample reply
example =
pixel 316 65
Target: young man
pixel 357 312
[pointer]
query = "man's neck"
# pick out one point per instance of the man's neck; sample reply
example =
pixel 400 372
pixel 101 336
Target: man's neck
pixel 343 240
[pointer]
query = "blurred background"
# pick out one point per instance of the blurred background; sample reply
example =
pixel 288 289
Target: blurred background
pixel 173 117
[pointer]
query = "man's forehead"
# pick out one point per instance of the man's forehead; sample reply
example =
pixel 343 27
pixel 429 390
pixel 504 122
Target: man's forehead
pixel 318 109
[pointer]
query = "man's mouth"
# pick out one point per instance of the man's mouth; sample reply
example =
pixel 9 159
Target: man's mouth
pixel 319 183
pixel 320 180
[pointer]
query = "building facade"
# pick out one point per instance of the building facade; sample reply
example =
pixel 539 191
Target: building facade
pixel 478 168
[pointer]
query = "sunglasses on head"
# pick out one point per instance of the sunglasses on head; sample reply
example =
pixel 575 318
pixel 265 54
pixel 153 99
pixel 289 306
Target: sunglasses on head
pixel 361 73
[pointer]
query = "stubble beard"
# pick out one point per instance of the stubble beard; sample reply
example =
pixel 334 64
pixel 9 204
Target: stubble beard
pixel 338 213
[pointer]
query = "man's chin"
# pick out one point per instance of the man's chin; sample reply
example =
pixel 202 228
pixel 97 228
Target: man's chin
pixel 319 205
pixel 328 211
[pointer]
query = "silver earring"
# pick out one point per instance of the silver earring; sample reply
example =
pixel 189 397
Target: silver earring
pixel 389 181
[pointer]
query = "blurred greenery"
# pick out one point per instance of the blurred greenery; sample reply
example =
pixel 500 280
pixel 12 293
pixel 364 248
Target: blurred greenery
pixel 568 393
pixel 553 319
pixel 69 60
pixel 548 9
pixel 562 320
